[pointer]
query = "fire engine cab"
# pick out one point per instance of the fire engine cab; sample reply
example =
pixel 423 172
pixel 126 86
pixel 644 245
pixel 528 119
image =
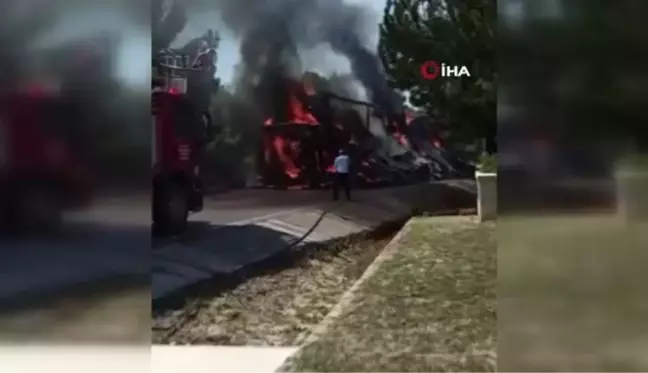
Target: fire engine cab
pixel 181 129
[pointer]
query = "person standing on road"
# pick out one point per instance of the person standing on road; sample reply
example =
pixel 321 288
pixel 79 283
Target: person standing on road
pixel 341 177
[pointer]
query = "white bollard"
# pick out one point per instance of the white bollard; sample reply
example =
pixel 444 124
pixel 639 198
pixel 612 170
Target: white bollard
pixel 486 195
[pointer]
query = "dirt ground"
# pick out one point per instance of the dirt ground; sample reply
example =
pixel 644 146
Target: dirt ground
pixel 277 309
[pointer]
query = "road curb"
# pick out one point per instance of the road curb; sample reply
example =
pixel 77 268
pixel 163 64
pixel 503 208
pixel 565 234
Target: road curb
pixel 345 301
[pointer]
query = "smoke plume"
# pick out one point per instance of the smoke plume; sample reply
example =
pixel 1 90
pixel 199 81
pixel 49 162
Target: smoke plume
pixel 272 33
pixel 272 36
pixel 168 18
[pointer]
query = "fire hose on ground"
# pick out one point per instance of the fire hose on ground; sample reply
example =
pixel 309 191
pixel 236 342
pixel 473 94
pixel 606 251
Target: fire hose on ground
pixel 194 307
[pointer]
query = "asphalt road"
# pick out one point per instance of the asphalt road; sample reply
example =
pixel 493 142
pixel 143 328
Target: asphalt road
pixel 112 239
pixel 47 284
pixel 243 205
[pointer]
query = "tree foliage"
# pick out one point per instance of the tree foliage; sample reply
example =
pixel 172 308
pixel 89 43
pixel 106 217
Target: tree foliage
pixel 454 32
pixel 578 69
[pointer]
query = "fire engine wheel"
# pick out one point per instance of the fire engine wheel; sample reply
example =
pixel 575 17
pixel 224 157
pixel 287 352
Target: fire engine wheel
pixel 171 210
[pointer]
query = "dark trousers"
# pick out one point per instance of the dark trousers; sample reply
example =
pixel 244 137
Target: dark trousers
pixel 341 181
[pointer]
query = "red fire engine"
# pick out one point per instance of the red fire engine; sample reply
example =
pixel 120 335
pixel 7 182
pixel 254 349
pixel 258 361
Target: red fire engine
pixel 181 128
pixel 40 172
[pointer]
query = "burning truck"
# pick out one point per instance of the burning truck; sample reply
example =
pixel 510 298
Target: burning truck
pixel 307 127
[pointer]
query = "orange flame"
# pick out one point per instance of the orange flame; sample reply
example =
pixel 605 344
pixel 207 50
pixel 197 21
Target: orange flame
pixel 286 150
pixel 299 113
pixel 290 168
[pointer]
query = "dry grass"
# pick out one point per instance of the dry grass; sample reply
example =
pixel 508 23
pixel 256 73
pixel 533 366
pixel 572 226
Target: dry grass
pixel 278 309
pixel 572 294
pixel 429 308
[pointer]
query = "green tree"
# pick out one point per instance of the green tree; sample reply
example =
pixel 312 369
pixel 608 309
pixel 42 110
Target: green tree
pixel 454 32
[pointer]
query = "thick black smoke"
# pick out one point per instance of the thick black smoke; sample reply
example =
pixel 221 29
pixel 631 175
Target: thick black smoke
pixel 272 31
pixel 271 35
pixel 168 18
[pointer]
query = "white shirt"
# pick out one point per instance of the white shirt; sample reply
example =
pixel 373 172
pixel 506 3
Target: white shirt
pixel 341 164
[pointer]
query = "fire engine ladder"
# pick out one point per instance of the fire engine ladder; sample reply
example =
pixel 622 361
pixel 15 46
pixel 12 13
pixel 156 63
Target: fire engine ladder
pixel 172 75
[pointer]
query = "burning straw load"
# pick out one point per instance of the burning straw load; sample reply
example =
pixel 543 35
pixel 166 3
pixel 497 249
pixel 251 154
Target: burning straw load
pixel 306 129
